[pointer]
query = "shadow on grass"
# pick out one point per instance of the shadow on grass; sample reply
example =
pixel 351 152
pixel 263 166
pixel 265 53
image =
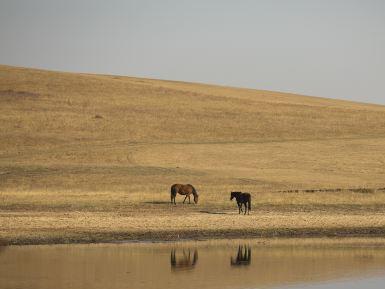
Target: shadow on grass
pixel 157 202
pixel 214 213
pixel 166 202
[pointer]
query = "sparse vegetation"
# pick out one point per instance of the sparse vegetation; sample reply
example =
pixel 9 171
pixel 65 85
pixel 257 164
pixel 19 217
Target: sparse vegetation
pixel 91 158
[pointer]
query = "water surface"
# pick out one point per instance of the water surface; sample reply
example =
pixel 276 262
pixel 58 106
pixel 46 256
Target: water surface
pixel 224 264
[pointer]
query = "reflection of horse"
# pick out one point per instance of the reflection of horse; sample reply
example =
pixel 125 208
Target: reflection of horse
pixel 242 198
pixel 185 190
pixel 243 256
pixel 2 245
pixel 184 262
pixel 2 248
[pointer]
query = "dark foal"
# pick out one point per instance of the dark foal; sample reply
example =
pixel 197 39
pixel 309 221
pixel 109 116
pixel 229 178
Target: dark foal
pixel 243 257
pixel 242 199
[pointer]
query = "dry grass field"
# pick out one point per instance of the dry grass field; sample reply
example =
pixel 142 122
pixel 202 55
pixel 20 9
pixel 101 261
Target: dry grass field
pixel 87 158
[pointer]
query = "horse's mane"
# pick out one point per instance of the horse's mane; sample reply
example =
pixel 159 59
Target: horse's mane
pixel 194 191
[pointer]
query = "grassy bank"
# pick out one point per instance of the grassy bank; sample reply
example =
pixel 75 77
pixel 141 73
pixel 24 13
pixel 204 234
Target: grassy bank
pixel 47 218
pixel 89 158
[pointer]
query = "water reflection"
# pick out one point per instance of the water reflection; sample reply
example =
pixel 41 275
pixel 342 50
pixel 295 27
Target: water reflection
pixel 158 266
pixel 183 261
pixel 243 257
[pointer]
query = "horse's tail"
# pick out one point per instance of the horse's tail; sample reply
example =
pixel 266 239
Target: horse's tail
pixel 173 192
pixel 175 189
pixel 249 203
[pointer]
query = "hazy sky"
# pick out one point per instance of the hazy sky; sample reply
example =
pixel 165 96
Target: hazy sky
pixel 331 48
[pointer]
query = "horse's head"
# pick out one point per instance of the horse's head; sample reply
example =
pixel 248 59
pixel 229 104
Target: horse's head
pixel 234 195
pixel 196 198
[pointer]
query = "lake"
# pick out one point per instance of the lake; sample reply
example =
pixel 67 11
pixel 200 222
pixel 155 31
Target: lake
pixel 201 264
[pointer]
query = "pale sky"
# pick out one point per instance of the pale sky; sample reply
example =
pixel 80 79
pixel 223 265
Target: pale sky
pixel 329 48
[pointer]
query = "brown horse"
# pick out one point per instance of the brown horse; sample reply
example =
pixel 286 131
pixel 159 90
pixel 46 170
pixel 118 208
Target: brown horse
pixel 185 190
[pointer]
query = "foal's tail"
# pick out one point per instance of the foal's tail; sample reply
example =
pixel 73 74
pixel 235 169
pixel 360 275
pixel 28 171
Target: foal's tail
pixel 249 207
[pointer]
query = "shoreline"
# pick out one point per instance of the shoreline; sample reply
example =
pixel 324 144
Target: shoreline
pixel 197 235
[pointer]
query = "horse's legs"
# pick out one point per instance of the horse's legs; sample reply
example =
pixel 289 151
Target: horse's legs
pixel 239 206
pixel 189 201
pixel 185 199
pixel 245 208
pixel 173 259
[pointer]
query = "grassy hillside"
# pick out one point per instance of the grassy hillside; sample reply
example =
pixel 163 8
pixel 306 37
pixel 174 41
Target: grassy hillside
pixel 84 143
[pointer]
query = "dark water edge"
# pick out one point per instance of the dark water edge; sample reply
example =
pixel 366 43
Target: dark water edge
pixel 301 263
pixel 50 238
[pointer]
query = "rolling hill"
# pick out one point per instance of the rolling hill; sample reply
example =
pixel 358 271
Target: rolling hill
pixel 83 142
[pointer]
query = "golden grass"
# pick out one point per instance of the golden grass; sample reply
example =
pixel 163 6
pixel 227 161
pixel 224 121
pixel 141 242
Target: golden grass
pixel 92 157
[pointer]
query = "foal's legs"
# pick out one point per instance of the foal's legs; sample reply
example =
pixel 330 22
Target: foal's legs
pixel 245 208
pixel 239 207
